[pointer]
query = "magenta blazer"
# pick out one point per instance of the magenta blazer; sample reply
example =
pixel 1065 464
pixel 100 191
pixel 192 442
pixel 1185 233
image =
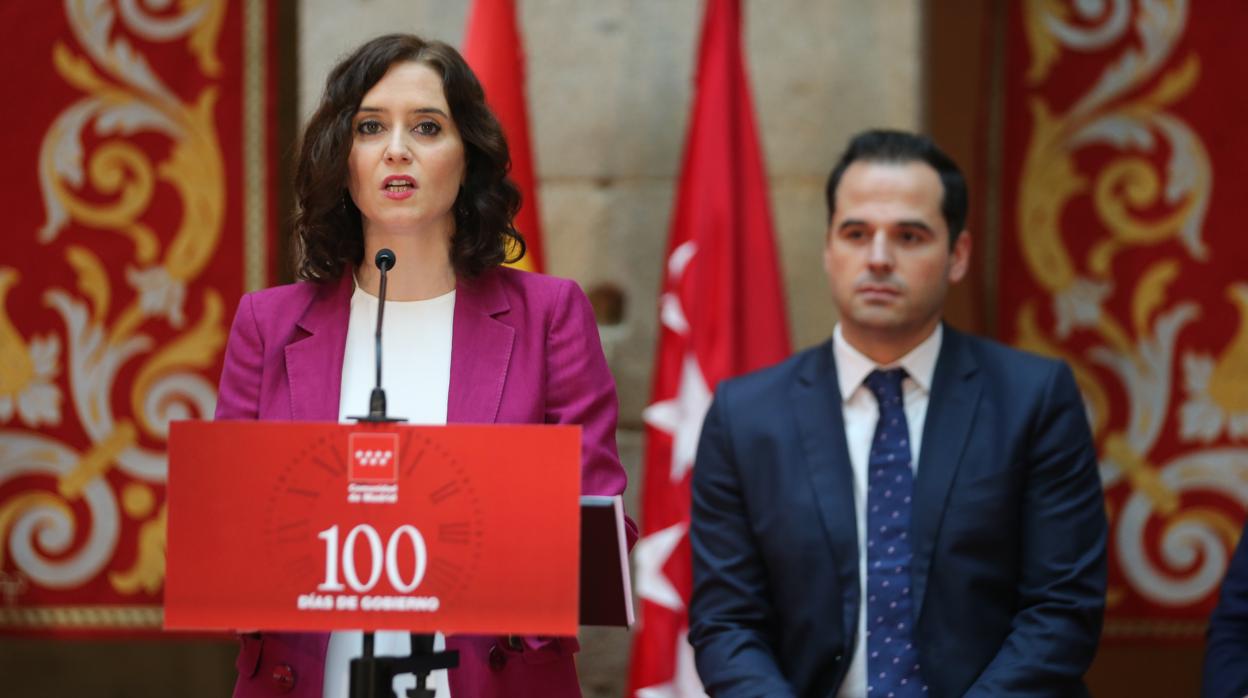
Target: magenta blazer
pixel 524 349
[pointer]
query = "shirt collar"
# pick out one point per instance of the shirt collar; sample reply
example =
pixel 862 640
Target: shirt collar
pixel 853 367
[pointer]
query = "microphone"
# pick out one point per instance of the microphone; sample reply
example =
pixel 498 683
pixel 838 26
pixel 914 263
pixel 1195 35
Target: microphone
pixel 377 401
pixel 384 259
pixel 370 675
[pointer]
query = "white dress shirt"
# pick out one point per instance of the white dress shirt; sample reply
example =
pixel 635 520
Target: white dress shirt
pixel 861 411
pixel 416 373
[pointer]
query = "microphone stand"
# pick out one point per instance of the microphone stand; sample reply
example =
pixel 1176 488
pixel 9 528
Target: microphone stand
pixel 371 676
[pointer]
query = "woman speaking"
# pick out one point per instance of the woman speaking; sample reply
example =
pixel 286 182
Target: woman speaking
pixel 403 153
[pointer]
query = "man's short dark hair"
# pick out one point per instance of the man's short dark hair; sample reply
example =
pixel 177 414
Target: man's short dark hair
pixel 900 147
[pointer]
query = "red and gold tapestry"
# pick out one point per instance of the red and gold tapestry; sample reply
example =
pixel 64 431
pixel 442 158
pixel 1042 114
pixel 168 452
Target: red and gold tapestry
pixel 1123 253
pixel 137 207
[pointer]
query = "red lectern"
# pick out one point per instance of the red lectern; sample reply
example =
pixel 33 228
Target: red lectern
pixel 319 527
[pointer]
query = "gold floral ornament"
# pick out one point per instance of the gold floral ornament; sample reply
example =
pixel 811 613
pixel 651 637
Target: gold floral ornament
pixel 94 173
pixel 1153 190
pixel 125 96
pixel 1050 179
pixel 41 530
pixel 29 370
pixel 1048 28
pixel 1217 392
pixel 148 572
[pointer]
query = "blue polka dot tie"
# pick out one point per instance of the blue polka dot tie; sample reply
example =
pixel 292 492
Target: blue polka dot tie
pixel 892 658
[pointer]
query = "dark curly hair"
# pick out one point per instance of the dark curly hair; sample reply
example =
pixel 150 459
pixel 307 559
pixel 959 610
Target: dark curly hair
pixel 329 234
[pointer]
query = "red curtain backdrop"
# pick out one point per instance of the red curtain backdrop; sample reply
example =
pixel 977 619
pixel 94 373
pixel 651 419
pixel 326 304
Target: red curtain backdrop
pixel 1123 253
pixel 721 314
pixel 136 196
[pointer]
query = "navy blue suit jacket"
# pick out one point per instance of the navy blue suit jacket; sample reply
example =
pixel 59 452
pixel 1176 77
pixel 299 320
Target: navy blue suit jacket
pixel 1009 530
pixel 1226 652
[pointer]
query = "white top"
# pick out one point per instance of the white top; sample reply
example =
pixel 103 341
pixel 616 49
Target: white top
pixel 861 411
pixel 416 373
pixel 416 357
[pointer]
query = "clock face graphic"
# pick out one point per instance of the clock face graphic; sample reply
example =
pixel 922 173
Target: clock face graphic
pixel 345 514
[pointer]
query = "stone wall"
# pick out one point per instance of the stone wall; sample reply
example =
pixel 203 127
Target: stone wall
pixel 610 89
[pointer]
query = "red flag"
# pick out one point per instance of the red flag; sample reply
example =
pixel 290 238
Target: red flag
pixel 722 314
pixel 493 48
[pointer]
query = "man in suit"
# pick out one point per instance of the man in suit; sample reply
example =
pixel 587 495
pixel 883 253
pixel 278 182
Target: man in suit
pixel 904 510
pixel 1226 649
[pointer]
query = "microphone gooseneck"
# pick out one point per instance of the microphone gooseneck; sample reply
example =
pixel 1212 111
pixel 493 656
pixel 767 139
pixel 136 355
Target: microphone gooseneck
pixel 377 401
pixel 371 676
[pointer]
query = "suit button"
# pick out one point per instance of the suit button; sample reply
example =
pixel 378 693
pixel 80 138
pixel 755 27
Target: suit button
pixel 497 658
pixel 283 677
pixel 838 657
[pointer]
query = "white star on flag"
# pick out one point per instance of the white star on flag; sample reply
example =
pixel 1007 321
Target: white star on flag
pixel 685 682
pixel 681 417
pixel 650 555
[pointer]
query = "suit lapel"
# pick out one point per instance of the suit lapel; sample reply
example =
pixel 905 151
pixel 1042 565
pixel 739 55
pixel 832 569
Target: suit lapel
pixel 480 350
pixel 314 357
pixel 950 414
pixel 817 404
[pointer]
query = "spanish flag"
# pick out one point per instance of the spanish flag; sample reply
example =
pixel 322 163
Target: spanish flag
pixel 493 48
